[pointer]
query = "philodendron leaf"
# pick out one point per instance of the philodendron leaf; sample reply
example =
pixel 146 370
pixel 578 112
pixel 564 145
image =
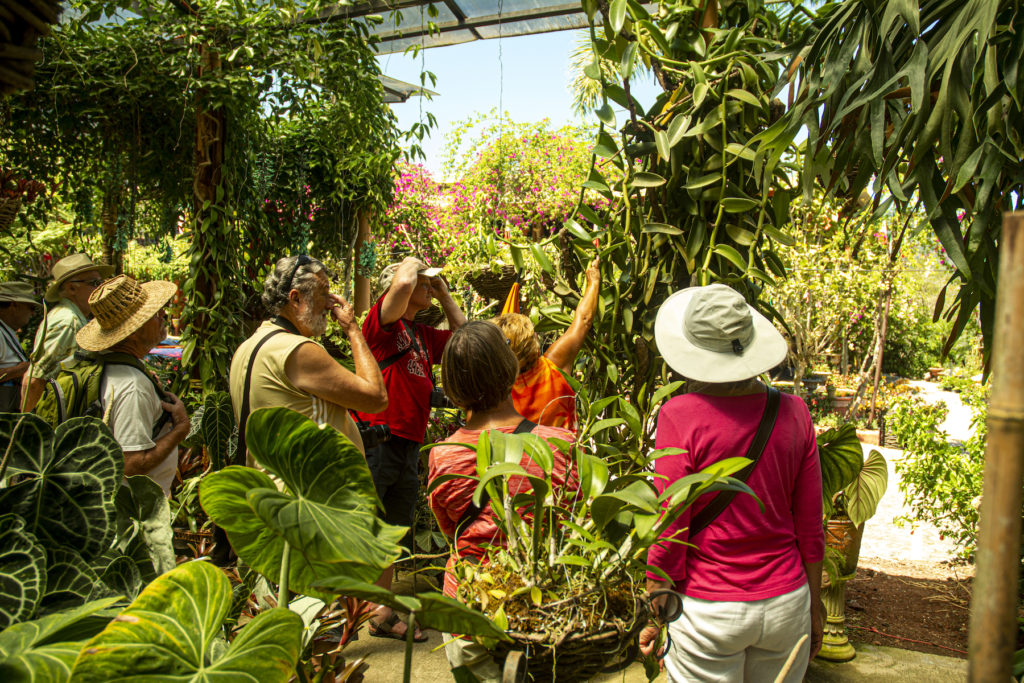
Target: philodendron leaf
pixel 327 516
pixel 841 460
pixel 45 649
pixel 148 506
pixel 866 491
pixel 69 581
pixel 218 423
pixel 170 632
pixel 22 571
pixel 433 610
pixel 66 480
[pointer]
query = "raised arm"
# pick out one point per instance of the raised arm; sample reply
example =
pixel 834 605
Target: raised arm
pixel 311 369
pixel 456 318
pixel 563 352
pixel 396 301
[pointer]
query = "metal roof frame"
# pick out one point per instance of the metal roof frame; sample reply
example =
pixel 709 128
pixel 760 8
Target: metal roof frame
pixel 457 21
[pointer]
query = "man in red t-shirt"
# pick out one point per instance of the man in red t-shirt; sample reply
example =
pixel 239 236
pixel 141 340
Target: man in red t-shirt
pixel 406 352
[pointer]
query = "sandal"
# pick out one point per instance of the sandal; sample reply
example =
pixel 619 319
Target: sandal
pixel 384 629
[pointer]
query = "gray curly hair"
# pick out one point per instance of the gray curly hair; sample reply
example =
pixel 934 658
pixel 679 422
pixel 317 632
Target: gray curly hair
pixel 286 276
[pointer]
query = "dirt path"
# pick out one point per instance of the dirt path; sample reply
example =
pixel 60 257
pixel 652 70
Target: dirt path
pixel 910 592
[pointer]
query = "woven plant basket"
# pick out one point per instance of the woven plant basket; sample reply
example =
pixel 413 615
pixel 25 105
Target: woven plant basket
pixel 578 656
pixel 493 285
pixel 431 317
pixel 8 210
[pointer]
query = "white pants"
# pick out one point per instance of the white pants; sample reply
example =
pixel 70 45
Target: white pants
pixel 473 656
pixel 740 641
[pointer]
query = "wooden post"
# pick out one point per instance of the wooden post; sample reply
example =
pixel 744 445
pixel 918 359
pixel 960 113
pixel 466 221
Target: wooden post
pixel 361 288
pixel 993 626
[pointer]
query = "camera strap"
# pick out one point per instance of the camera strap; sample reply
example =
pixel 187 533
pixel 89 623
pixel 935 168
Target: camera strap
pixel 474 510
pixel 243 414
pixel 420 346
pixel 707 515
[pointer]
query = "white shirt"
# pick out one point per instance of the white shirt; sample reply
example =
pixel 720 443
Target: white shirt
pixel 10 349
pixel 132 408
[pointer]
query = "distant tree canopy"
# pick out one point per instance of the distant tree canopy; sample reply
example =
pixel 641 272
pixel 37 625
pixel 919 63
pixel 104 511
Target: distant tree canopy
pixel 257 131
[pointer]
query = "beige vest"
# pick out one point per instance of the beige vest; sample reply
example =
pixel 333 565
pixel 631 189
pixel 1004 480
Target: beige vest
pixel 271 388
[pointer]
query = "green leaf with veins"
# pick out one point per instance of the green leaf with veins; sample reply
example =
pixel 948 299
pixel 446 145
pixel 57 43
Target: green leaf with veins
pixel 173 631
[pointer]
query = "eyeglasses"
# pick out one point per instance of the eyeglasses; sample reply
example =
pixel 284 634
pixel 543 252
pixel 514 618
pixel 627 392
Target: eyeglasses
pixel 95 282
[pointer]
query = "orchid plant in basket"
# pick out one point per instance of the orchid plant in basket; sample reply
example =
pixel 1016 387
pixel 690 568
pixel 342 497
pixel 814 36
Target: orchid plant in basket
pixel 574 558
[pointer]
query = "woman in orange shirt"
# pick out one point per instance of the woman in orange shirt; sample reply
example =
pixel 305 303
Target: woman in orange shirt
pixel 540 393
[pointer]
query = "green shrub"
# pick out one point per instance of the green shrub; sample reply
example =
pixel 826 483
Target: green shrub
pixel 913 342
pixel 940 479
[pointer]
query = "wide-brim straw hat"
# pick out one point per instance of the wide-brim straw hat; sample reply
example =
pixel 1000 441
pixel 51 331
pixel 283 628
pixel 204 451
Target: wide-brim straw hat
pixel 18 291
pixel 388 274
pixel 120 306
pixel 70 266
pixel 711 334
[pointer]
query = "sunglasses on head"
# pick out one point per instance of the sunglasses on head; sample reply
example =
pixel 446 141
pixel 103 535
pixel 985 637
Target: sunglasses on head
pixel 302 260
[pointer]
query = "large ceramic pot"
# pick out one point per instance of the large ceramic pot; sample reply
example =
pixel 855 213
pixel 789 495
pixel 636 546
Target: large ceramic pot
pixel 843 536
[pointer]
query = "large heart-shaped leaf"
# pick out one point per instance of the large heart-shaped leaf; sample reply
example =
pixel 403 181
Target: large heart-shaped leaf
pixel 22 571
pixel 45 649
pixel 326 516
pixel 841 459
pixel 70 581
pixel 866 491
pixel 433 610
pixel 171 633
pixel 66 480
pixel 142 505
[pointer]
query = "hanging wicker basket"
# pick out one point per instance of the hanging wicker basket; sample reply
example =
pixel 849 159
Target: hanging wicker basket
pixel 492 285
pixel 431 317
pixel 8 210
pixel 578 656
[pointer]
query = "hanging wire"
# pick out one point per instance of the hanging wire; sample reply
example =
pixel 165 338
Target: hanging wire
pixel 501 123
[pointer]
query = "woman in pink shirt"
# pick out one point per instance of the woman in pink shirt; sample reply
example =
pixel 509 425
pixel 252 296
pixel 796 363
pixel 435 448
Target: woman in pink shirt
pixel 750 579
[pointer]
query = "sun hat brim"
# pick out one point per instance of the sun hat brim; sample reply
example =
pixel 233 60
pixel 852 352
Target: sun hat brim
pixel 92 337
pixel 17 298
pixel 766 350
pixel 53 291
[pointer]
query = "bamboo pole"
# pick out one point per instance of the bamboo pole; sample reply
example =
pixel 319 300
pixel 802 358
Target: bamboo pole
pixel 361 291
pixel 993 625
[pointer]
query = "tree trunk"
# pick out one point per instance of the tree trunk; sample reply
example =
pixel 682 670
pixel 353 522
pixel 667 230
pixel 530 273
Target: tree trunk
pixel 879 356
pixel 209 159
pixel 361 286
pixel 112 255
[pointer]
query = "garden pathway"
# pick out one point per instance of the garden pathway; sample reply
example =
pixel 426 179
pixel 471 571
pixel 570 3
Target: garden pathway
pixel 884 536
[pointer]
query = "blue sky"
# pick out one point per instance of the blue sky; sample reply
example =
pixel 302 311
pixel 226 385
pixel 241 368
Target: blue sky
pixel 528 75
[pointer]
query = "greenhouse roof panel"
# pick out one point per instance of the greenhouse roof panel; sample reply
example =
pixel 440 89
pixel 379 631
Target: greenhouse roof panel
pixel 459 21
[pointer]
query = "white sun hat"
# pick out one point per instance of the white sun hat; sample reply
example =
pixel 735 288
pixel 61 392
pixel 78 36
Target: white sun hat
pixel 710 334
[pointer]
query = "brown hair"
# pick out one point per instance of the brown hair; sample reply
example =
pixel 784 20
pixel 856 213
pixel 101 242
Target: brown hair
pixel 519 330
pixel 478 368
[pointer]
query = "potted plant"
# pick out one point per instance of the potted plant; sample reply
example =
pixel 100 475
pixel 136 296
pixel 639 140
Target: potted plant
pixel 564 586
pixel 852 487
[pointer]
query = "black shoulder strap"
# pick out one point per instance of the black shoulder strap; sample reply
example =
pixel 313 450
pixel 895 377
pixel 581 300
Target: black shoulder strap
pixel 474 510
pixel 243 414
pixel 707 515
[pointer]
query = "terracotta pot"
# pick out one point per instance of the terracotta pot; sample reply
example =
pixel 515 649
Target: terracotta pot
pixel 841 534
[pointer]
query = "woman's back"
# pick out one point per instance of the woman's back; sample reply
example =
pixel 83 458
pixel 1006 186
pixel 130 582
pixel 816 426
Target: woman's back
pixel 744 554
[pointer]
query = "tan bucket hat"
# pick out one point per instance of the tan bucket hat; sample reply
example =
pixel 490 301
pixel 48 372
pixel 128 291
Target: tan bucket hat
pixel 18 291
pixel 120 306
pixel 388 274
pixel 70 266
pixel 711 334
